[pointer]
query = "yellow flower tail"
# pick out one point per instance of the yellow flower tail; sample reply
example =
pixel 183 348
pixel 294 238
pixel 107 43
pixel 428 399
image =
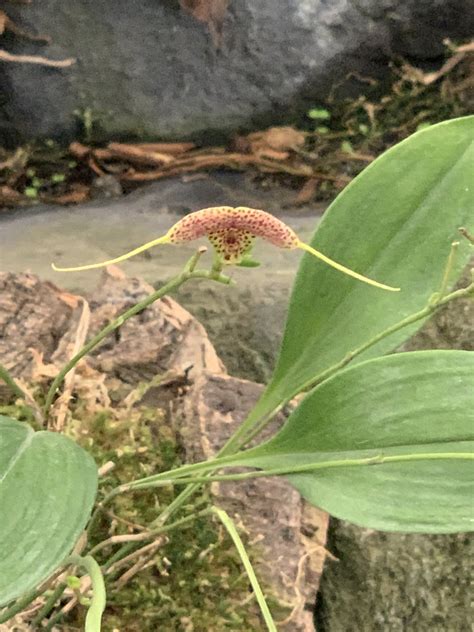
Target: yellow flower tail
pixel 155 242
pixel 345 270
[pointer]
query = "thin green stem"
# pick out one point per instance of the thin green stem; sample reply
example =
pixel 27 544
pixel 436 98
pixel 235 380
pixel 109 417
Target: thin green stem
pixel 19 605
pixel 158 522
pixel 175 504
pixel 409 320
pixel 98 601
pixel 185 469
pixel 52 622
pixel 187 273
pixel 448 269
pixel 239 545
pixel 49 605
pixel 120 558
pixel 465 233
pixel 378 459
pixel 9 380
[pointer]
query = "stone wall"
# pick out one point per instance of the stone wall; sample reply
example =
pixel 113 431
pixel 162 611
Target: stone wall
pixel 148 69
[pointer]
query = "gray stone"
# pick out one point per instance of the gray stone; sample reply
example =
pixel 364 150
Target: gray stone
pixel 147 69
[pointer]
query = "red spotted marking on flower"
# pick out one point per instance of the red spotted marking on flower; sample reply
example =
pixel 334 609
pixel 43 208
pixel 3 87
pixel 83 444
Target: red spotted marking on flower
pixel 231 222
pixel 232 232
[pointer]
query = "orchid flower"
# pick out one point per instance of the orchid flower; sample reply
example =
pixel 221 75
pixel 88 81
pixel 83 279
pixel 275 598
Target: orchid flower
pixel 232 232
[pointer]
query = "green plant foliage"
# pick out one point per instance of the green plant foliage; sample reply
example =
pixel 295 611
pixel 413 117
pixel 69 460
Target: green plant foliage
pixel 407 420
pixel 395 223
pixel 320 114
pixel 47 489
pixel 208 588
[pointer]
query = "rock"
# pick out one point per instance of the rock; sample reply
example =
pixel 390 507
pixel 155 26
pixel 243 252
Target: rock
pixel 396 582
pixel 105 187
pixel 33 315
pixel 163 338
pixel 149 69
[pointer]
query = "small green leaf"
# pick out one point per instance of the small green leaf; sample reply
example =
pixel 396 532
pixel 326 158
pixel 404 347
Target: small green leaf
pixel 346 147
pixel 47 489
pixel 398 432
pixel 31 192
pixel 73 582
pixel 319 114
pixel 322 129
pixel 56 178
pixel 395 223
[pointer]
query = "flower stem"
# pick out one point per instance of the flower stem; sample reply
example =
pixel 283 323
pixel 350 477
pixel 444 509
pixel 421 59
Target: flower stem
pixel 10 381
pixel 98 602
pixel 239 545
pixel 188 272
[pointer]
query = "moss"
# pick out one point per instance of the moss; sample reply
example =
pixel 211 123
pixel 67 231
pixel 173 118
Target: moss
pixel 195 581
pixel 18 411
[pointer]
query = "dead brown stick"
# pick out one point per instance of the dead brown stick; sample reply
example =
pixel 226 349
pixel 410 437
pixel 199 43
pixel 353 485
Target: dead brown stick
pixel 232 161
pixel 139 566
pixel 11 26
pixel 138 154
pixel 36 59
pixel 148 548
pixel 173 149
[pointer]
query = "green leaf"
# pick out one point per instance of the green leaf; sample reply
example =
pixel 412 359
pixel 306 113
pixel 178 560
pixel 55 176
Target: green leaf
pixel 31 192
pixel 347 147
pixel 56 178
pixel 395 223
pixel 47 489
pixel 319 114
pixel 393 439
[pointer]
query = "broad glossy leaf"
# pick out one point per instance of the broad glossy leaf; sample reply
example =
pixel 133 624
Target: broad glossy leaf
pixel 47 489
pixel 403 406
pixel 395 223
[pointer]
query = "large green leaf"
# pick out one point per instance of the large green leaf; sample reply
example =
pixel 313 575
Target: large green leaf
pixel 408 422
pixel 47 489
pixel 395 223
